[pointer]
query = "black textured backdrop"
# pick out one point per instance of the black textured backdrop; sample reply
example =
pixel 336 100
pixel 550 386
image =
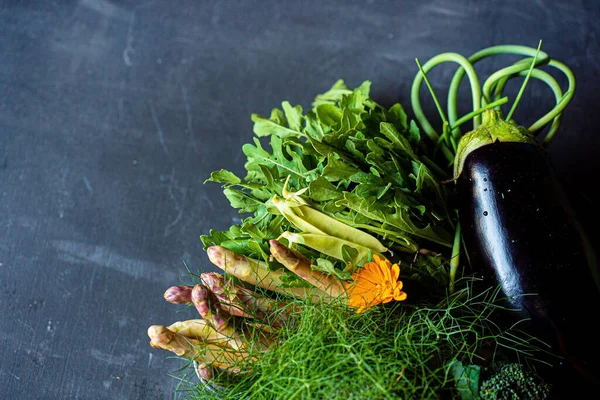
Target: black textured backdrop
pixel 113 113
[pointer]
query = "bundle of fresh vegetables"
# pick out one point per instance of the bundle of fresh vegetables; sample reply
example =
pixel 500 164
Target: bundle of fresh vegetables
pixel 342 279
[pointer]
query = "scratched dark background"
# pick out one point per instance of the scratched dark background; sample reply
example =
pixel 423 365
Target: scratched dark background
pixel 112 114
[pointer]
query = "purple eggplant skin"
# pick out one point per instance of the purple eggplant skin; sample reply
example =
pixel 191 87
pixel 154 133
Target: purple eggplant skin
pixel 521 234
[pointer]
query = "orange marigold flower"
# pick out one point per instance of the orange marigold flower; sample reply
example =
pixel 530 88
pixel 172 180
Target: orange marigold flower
pixel 377 282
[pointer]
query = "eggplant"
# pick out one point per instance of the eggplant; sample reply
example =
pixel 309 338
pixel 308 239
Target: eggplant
pixel 522 234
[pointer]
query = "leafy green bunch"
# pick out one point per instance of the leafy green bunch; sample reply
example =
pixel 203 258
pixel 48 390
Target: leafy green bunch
pixel 355 161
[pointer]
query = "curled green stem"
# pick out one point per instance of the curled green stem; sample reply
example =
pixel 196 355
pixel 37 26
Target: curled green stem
pixel 415 94
pixel 558 109
pixel 478 56
pixel 549 80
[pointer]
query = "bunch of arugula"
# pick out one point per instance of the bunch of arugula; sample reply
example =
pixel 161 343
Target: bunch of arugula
pixel 361 163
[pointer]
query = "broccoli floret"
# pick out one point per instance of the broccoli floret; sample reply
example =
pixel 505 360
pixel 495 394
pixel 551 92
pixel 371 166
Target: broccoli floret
pixel 512 382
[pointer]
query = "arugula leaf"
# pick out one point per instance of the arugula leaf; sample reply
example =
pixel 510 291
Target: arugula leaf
pixel 293 115
pixel 399 142
pixel 351 121
pixel 291 280
pixel 329 115
pixel 326 150
pixel 337 170
pixel 426 182
pixel 414 134
pixel 333 95
pixel 274 125
pixel 361 164
pixel 322 190
pixel 257 155
pixel 394 216
pixel 242 200
pixel 313 127
pixel 224 176
pixel 398 117
pixel 328 267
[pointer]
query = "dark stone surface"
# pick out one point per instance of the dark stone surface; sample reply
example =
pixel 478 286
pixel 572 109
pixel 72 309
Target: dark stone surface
pixel 112 114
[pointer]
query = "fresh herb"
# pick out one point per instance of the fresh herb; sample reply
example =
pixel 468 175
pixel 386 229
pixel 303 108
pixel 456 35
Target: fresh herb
pixel 357 169
pixel 394 351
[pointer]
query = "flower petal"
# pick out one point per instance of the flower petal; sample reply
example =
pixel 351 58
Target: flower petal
pixel 375 283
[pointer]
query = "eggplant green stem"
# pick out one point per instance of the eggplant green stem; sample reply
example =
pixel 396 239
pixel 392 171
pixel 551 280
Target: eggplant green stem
pixel 472 114
pixel 455 259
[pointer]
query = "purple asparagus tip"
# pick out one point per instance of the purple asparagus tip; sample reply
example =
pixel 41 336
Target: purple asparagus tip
pixel 214 281
pixel 179 294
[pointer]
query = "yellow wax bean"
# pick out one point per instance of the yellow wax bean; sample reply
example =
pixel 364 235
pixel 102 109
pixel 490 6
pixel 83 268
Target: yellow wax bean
pixel 308 220
pixel 287 209
pixel 329 245
pixel 333 227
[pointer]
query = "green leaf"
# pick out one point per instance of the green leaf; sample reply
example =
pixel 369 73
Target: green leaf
pixel 216 237
pixel 291 280
pixel 394 216
pixel 329 115
pixel 427 184
pixel 349 254
pixel 365 88
pixel 399 141
pixel 398 117
pixel 326 266
pixel 333 95
pixel 383 190
pixel 365 177
pixel 351 148
pixel 224 176
pixel 322 190
pixel 351 121
pixel 314 128
pixel 353 101
pixel 293 115
pixel 257 155
pixel 467 380
pixel 326 150
pixel 269 176
pixel 414 133
pixel 242 200
pixel 337 170
pixel 278 117
pixel 275 125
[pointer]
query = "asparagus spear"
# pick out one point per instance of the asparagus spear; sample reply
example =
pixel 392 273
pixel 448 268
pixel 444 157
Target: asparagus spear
pixel 206 371
pixel 179 294
pixel 217 377
pixel 198 329
pixel 232 360
pixel 300 265
pixel 215 317
pixel 243 302
pixel 162 337
pixel 256 272
pixel 228 295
